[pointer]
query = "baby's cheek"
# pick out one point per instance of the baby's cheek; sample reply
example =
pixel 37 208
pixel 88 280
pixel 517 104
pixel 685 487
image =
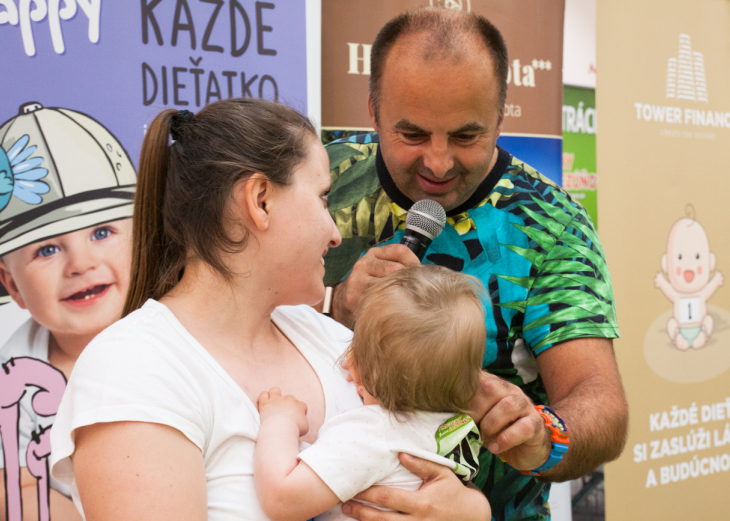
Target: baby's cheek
pixel 699 270
pixel 679 271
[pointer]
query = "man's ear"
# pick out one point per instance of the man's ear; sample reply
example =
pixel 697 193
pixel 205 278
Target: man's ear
pixel 7 280
pixel 501 122
pixel 371 111
pixel 255 196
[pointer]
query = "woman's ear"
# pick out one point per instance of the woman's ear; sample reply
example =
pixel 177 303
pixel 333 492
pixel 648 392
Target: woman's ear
pixel 254 195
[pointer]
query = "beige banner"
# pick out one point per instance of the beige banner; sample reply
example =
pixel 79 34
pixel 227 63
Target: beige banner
pixel 532 29
pixel 663 151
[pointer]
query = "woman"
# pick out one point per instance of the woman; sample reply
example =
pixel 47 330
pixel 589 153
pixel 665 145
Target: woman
pixel 231 227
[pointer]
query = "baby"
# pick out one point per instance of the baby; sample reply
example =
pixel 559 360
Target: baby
pixel 415 357
pixel 66 204
pixel 74 286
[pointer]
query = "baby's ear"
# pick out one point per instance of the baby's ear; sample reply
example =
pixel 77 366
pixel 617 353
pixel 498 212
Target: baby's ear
pixel 712 261
pixel 7 280
pixel 664 263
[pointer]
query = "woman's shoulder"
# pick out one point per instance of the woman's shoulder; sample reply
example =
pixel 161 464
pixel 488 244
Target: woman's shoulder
pixel 143 339
pixel 139 322
pixel 143 368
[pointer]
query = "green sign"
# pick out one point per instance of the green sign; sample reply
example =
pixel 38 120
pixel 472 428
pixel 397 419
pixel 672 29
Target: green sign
pixel 579 148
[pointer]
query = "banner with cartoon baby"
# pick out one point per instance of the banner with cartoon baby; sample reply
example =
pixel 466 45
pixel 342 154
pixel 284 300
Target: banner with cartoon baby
pixel 81 81
pixel 663 150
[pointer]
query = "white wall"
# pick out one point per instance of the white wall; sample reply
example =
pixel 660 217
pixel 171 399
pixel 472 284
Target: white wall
pixel 314 61
pixel 579 44
pixel 11 317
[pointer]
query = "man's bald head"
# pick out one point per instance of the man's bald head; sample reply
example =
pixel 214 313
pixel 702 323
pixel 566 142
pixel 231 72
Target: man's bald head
pixel 448 32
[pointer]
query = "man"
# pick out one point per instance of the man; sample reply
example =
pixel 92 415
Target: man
pixel 437 91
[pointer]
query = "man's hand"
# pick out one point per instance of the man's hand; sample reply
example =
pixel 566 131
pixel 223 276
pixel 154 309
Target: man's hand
pixel 442 497
pixel 375 264
pixel 510 425
pixel 273 405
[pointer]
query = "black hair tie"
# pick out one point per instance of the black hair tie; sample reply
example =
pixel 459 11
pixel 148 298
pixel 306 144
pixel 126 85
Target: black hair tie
pixel 178 123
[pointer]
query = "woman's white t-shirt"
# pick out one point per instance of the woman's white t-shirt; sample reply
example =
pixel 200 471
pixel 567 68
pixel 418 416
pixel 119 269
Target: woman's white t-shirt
pixel 147 367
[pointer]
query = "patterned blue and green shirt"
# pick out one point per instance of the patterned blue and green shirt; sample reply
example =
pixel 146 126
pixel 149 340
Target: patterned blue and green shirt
pixel 535 250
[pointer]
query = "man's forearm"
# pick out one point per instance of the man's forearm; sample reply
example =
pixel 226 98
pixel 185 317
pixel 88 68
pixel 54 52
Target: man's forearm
pixel 597 420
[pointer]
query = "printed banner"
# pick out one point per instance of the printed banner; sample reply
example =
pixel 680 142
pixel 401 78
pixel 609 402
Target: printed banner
pixel 532 30
pixel 81 81
pixel 579 148
pixel 123 62
pixel 662 152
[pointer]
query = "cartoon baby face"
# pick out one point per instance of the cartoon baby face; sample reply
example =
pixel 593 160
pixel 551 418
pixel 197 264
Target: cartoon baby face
pixel 74 284
pixel 688 261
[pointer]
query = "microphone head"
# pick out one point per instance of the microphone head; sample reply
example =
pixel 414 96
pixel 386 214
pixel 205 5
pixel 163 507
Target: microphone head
pixel 426 216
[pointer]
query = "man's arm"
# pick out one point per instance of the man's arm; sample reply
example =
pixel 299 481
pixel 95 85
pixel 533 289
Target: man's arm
pixel 584 387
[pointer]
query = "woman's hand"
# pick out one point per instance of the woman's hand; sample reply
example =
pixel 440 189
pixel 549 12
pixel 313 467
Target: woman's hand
pixel 273 405
pixel 442 497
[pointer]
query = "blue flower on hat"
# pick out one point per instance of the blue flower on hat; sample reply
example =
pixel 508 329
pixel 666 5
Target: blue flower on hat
pixel 20 174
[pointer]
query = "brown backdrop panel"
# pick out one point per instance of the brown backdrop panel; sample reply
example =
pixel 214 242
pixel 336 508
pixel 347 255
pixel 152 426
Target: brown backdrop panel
pixel 663 151
pixel 532 29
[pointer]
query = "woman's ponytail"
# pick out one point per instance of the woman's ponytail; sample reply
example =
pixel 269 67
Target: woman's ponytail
pixel 149 244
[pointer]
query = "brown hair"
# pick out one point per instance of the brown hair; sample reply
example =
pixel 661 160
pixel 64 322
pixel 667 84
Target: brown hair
pixel 445 28
pixel 183 189
pixel 419 340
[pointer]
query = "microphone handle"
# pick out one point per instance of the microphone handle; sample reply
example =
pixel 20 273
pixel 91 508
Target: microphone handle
pixel 416 242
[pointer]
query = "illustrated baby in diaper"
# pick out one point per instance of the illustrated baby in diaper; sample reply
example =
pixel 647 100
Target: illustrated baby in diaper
pixel 688 279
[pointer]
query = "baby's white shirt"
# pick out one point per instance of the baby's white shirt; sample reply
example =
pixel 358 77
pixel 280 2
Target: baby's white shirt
pixel 359 448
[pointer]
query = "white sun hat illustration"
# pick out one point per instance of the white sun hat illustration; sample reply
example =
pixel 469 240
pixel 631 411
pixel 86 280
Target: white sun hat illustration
pixel 60 171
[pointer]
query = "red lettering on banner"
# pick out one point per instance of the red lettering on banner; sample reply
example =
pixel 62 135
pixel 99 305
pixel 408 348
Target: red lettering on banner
pixel 579 180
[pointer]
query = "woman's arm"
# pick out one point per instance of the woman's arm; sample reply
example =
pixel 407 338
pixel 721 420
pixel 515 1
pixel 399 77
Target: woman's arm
pixel 287 488
pixel 442 497
pixel 140 471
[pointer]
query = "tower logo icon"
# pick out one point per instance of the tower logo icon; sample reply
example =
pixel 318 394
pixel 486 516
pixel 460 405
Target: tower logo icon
pixel 686 73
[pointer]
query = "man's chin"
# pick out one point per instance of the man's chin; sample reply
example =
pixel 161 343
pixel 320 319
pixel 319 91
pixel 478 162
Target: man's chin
pixel 449 200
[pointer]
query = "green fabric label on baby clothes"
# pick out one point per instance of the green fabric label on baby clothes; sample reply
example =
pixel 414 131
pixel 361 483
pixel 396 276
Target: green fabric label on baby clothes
pixel 458 439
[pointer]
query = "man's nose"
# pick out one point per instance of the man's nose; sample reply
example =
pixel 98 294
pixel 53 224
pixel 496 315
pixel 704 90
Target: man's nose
pixel 438 158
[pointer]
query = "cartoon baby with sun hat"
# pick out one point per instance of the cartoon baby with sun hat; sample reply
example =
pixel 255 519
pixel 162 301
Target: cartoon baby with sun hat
pixel 66 197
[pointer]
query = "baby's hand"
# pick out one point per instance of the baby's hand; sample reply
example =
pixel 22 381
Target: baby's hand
pixel 658 280
pixel 272 404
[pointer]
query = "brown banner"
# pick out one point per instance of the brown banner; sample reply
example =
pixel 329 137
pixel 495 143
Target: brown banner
pixel 533 31
pixel 663 148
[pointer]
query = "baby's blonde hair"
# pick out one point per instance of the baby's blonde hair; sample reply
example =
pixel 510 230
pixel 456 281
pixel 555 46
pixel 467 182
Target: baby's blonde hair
pixel 419 340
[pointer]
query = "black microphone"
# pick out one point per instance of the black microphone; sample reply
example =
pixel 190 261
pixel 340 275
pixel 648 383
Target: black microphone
pixel 425 221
